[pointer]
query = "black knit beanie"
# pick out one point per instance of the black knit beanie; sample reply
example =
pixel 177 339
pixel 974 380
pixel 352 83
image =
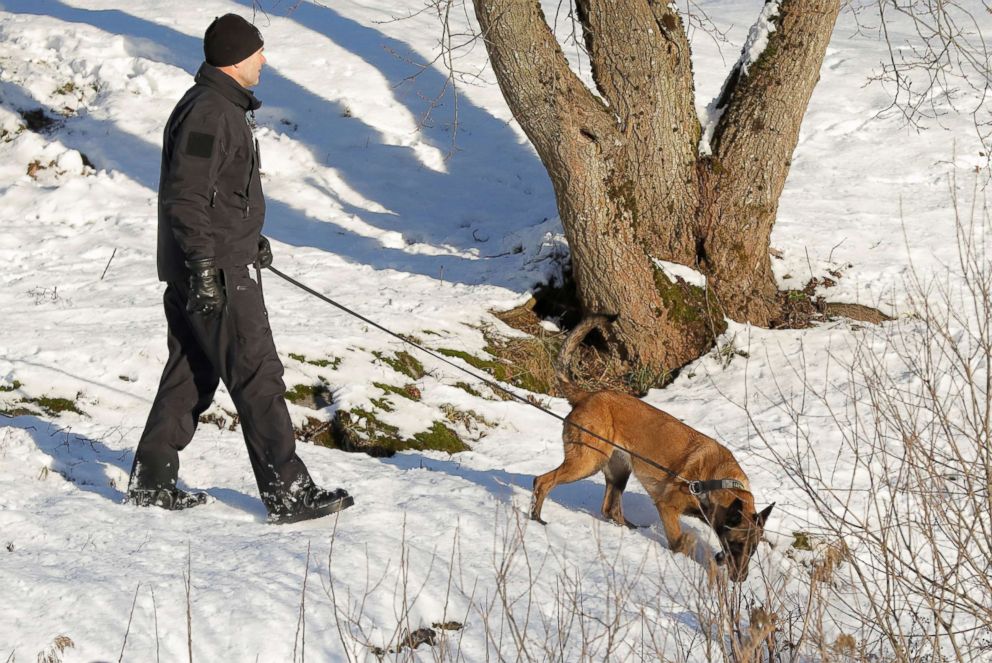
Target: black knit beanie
pixel 229 40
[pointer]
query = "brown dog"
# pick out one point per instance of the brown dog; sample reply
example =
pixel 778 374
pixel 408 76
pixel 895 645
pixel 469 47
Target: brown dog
pixel 675 463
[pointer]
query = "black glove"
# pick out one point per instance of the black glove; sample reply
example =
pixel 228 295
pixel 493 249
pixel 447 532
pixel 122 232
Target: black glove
pixel 264 252
pixel 206 293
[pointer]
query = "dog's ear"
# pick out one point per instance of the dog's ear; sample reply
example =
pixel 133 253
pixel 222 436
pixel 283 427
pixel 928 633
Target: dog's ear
pixel 762 517
pixel 734 513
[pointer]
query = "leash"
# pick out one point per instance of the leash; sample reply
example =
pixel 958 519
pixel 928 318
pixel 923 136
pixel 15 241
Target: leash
pixel 695 487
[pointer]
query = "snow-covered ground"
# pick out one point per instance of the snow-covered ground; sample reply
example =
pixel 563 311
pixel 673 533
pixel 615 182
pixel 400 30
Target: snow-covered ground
pixel 367 203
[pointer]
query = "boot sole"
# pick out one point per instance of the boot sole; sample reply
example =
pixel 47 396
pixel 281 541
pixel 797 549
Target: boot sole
pixel 313 514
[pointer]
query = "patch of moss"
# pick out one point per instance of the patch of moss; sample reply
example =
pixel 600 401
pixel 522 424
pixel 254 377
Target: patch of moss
pixel 373 424
pixel 403 362
pixel 53 406
pixel 361 430
pixel 523 362
pixel 383 404
pixel 494 368
pixel 801 541
pixel 68 88
pixel 17 411
pixel 688 306
pixel 13 386
pixel 679 301
pixel 313 396
pixel 49 405
pixel 299 393
pixel 408 391
pixel 467 388
pixel 439 438
pixel 333 362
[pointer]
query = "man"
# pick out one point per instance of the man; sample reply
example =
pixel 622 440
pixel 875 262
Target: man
pixel 210 216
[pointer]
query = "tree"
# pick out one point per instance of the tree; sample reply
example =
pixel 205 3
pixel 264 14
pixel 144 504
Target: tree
pixel 632 183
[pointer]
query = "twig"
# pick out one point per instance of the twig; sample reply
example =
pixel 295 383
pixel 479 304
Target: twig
pixel 301 624
pixel 330 590
pixel 129 618
pixel 155 613
pixel 188 579
pixel 830 256
pixel 108 263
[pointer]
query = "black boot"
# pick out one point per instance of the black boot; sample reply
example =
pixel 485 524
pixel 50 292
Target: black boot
pixel 172 499
pixel 308 503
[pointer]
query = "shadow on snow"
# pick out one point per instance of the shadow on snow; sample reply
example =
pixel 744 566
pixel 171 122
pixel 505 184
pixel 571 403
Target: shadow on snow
pixel 441 209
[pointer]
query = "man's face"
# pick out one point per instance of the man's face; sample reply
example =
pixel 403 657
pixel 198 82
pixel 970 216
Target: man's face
pixel 250 69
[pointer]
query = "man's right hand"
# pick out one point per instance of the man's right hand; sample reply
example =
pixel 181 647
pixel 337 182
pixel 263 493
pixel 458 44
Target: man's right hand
pixel 206 293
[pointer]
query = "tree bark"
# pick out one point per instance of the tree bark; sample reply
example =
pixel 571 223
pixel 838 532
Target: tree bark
pixel 752 148
pixel 642 66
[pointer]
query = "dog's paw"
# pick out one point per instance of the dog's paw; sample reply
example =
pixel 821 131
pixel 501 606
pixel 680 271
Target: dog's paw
pixel 537 519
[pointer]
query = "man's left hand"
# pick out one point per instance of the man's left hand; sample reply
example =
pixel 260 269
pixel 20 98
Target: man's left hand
pixel 264 252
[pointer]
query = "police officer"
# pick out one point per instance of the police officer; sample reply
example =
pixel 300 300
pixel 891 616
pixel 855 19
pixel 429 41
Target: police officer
pixel 210 216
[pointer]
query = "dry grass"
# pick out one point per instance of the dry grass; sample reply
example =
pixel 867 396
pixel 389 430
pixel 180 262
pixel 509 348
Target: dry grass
pixel 530 361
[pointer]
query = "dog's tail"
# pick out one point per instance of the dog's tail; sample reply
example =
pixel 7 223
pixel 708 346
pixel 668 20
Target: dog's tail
pixel 573 393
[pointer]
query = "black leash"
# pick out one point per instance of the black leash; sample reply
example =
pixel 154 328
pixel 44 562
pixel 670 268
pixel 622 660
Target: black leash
pixel 695 487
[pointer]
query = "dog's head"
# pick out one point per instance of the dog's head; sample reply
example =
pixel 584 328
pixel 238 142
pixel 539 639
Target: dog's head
pixel 739 533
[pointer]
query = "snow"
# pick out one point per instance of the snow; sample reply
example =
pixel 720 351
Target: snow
pixel 757 38
pixel 754 46
pixel 368 203
pixel 675 271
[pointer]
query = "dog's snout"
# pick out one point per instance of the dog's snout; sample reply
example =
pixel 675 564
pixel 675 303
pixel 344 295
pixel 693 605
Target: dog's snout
pixel 737 570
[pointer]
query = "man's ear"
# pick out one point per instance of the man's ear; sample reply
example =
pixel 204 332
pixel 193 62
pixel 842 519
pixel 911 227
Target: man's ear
pixel 762 517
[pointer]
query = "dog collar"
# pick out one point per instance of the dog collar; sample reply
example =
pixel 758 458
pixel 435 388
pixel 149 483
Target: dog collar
pixel 700 487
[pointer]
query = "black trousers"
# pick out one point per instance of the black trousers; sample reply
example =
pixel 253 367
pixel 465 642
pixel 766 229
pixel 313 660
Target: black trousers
pixel 235 346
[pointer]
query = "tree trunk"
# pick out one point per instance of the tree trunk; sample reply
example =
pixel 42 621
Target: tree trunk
pixel 641 64
pixel 583 145
pixel 762 109
pixel 629 182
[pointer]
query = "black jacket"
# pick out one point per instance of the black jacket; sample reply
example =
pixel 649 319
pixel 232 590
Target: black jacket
pixel 210 200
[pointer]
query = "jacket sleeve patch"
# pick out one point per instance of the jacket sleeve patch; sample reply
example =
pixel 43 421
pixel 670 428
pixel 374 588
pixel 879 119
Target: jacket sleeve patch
pixel 199 145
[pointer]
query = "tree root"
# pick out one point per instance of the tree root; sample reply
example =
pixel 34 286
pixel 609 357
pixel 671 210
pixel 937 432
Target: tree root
pixel 858 312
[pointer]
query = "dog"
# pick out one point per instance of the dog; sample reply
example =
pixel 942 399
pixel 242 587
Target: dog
pixel 683 471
